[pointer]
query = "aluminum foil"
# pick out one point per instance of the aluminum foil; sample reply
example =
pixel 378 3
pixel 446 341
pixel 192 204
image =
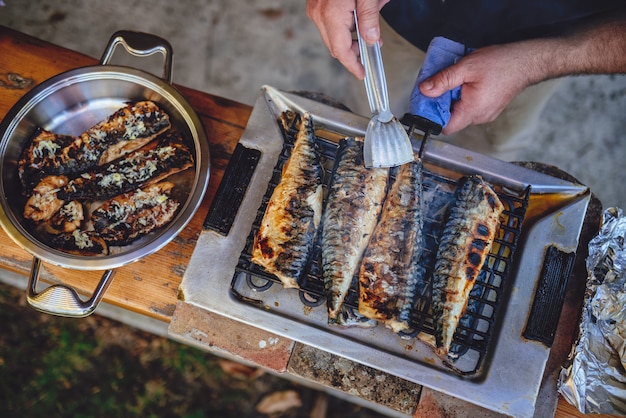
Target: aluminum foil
pixel 595 378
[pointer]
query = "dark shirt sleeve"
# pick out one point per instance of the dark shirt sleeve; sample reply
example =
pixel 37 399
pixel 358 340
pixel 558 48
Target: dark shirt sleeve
pixel 477 23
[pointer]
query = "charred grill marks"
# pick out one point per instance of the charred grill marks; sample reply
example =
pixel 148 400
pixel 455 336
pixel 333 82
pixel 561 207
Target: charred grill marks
pixel 147 165
pixel 123 218
pixel 354 203
pixel 289 226
pixel 128 129
pixel 388 275
pixel 465 243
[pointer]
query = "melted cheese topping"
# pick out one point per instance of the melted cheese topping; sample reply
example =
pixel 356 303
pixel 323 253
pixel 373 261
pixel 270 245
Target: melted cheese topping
pixel 45 147
pixel 82 239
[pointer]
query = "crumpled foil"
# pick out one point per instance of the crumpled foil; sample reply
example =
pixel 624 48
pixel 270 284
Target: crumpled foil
pixel 594 380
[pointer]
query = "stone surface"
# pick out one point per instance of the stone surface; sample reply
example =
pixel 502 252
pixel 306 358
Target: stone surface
pixel 232 338
pixel 354 379
pixel 438 405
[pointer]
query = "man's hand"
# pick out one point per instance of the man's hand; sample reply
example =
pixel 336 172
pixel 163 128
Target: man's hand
pixel 489 77
pixel 335 21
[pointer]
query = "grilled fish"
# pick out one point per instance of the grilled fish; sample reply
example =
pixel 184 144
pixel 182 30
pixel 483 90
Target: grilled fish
pixel 354 203
pixel 43 156
pixel 465 243
pixel 126 130
pixel 43 203
pixel 80 243
pixel 388 273
pixel 126 217
pixel 289 226
pixel 67 219
pixel 148 165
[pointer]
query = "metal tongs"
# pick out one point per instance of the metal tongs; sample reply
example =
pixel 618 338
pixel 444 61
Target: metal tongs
pixel 386 141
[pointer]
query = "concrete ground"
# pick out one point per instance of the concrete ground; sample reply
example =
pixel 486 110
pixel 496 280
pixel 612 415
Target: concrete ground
pixel 233 47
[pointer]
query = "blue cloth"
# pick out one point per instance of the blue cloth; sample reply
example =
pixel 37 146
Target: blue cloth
pixel 441 53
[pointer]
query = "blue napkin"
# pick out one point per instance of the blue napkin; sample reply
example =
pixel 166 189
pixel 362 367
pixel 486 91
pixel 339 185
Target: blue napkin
pixel 441 53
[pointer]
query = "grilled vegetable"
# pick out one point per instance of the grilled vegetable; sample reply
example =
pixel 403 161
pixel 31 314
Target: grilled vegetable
pixel 126 130
pixel 354 203
pixel 388 273
pixel 465 243
pixel 287 232
pixel 148 165
pixel 126 217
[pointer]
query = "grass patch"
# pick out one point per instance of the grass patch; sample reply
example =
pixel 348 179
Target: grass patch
pixel 96 367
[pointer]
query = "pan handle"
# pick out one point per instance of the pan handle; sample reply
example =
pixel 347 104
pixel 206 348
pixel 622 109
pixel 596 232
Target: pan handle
pixel 63 300
pixel 141 44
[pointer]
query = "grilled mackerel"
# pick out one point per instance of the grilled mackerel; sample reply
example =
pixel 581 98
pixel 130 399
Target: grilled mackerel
pixel 66 220
pixel 148 165
pixel 389 270
pixel 354 203
pixel 126 130
pixel 80 242
pixel 287 232
pixel 126 217
pixel 465 243
pixel 43 202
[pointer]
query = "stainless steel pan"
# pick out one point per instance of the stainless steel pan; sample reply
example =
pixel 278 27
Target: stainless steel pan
pixel 70 103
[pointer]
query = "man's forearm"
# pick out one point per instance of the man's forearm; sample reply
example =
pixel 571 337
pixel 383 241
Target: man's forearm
pixel 597 47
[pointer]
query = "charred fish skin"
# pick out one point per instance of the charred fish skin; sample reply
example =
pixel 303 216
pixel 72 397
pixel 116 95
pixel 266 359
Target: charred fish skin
pixel 124 218
pixel 287 232
pixel 464 245
pixel 152 163
pixel 354 203
pixel 124 131
pixel 388 275
pixel 80 243
pixel 42 156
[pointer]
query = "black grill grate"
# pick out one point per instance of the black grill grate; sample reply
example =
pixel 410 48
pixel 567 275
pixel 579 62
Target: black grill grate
pixel 471 343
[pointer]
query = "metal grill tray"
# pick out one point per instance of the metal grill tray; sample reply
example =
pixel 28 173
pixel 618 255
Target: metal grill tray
pixel 252 285
pixel 502 354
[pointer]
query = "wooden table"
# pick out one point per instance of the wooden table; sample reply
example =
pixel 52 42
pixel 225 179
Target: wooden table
pixel 149 286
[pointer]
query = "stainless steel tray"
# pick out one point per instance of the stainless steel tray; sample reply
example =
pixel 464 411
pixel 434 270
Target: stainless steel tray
pixel 510 378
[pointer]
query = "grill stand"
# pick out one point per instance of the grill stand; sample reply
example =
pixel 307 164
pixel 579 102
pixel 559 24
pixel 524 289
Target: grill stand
pixel 515 368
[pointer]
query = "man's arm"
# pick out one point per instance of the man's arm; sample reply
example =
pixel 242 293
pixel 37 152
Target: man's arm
pixel 493 76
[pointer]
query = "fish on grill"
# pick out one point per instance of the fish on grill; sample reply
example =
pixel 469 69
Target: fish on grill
pixel 289 226
pixel 355 200
pixel 126 217
pixel 388 274
pixel 150 164
pixel 126 130
pixel 463 248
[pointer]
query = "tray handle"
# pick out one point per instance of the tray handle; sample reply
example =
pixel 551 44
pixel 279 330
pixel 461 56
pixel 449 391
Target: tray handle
pixel 62 300
pixel 141 44
pixel 550 295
